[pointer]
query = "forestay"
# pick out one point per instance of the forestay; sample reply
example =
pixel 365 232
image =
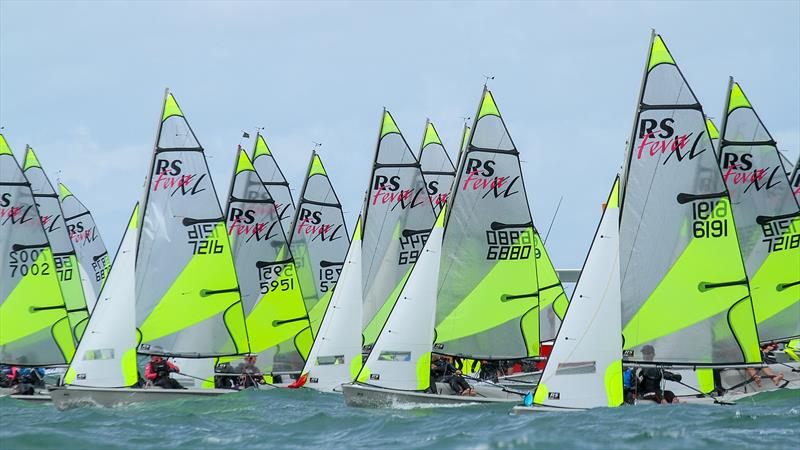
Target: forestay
pixel 437 168
pixel 34 329
pixel 684 287
pixel 66 262
pixel 487 305
pixel 187 295
pixel 277 322
pixel 397 220
pixel 767 217
pixel 106 356
pixel 585 368
pixel 94 262
pixel 319 240
pixel 335 357
pixel 274 181
pixel 401 356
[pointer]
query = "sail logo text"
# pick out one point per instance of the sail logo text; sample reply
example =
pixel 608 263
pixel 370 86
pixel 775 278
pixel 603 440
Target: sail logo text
pixel 387 191
pixel 737 172
pixel 169 177
pixel 659 138
pixel 481 177
pixel 437 199
pixel 78 234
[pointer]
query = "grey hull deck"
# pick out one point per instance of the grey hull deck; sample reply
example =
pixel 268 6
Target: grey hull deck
pixel 73 396
pixel 359 395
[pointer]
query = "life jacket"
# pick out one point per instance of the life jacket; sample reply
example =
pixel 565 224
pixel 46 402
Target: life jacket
pixel 651 380
pixel 627 379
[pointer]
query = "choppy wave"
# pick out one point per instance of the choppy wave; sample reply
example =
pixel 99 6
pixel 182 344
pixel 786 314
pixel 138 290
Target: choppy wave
pixel 307 419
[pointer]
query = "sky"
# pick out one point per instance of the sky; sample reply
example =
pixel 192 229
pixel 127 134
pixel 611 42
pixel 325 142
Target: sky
pixel 83 82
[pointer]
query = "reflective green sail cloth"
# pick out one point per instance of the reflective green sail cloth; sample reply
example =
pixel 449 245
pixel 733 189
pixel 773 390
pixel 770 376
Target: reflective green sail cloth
pixel 684 286
pixel 64 256
pixel 767 217
pixel 34 329
pixel 437 168
pixel 487 306
pixel 187 294
pixel 277 323
pixel 94 263
pixel 553 301
pixel 273 179
pixel 319 240
pixel 397 220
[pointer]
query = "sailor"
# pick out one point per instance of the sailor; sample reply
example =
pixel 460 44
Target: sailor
pixel 768 357
pixel 158 370
pixel 489 370
pixel 650 380
pixel 251 375
pixel 222 379
pixel 443 371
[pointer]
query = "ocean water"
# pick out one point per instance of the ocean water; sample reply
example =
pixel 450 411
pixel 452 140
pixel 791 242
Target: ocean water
pixel 308 419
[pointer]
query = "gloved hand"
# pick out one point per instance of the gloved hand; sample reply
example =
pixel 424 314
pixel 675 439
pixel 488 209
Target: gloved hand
pixel 672 376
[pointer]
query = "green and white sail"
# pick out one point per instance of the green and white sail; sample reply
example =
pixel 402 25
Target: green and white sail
pixel 273 179
pixel 277 322
pixel 335 357
pixel 713 132
pixel 64 257
pixel 187 295
pixel 585 368
pixel 552 299
pixel 34 328
pixel 488 299
pixel 684 286
pixel 463 146
pixel 397 220
pixel 106 356
pixel 401 356
pixel 319 240
pixel 94 262
pixel 767 217
pixel 437 167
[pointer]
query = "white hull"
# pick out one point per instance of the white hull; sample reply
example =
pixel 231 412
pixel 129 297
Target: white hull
pixel 71 396
pixel 364 396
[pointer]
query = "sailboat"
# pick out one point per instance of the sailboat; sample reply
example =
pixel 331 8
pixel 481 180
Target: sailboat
pixel 278 329
pixel 64 256
pixel 34 327
pixel 319 240
pixel 175 273
pixel 436 166
pixel 585 368
pixel 473 291
pixel 794 179
pixel 768 225
pixel 94 262
pixel 273 179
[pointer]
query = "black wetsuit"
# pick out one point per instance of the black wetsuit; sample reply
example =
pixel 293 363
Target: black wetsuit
pixel 163 380
pixel 446 372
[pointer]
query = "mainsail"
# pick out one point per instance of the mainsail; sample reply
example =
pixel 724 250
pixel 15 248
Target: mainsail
pixel 767 217
pixel 585 368
pixel 684 286
pixel 106 356
pixel 277 321
pixel 397 220
pixel 794 179
pixel 463 146
pixel 335 357
pixel 64 257
pixel 94 262
pixel 187 295
pixel 487 304
pixel 34 329
pixel 274 181
pixel 437 168
pixel 319 240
